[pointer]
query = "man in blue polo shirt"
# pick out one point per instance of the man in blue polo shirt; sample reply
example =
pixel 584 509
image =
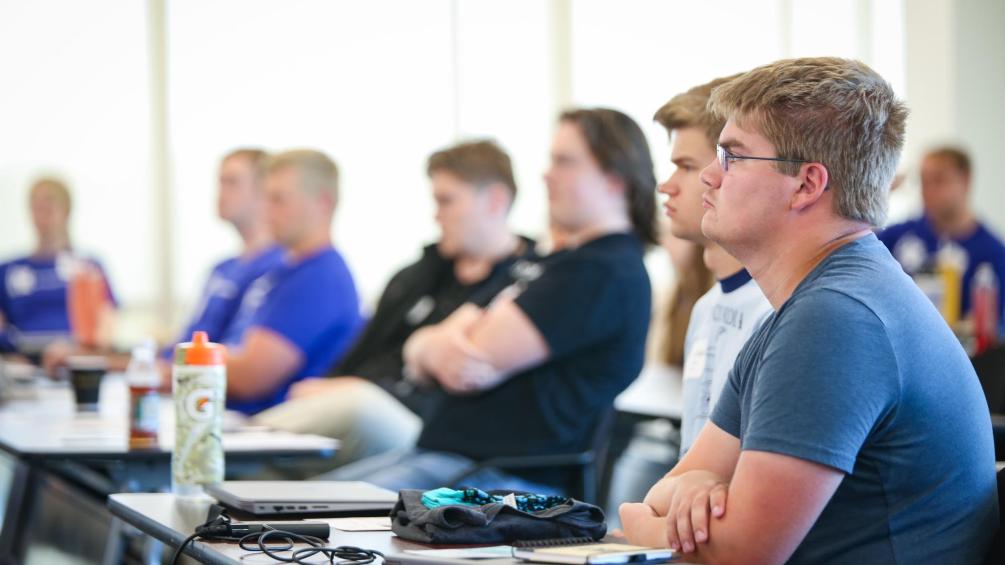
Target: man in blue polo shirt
pixel 948 231
pixel 33 289
pixel 240 202
pixel 298 319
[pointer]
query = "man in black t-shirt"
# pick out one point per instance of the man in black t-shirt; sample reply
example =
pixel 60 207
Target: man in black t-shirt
pixel 368 405
pixel 531 370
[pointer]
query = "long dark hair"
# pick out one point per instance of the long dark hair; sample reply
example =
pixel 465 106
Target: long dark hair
pixel 620 147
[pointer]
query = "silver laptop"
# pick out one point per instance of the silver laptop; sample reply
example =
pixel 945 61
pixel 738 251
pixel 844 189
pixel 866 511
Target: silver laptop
pixel 303 497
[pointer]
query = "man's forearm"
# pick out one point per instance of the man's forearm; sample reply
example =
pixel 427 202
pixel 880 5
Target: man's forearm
pixel 658 497
pixel 415 351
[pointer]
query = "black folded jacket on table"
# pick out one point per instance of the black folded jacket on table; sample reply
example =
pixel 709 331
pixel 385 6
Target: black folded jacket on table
pixel 492 523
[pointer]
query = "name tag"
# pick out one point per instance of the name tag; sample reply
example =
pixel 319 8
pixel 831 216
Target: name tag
pixel 694 365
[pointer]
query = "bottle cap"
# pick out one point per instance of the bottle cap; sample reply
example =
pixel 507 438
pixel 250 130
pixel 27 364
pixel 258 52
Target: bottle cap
pixel 204 352
pixel 145 351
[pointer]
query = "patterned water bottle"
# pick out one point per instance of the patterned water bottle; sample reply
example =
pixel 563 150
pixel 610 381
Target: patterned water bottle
pixel 199 380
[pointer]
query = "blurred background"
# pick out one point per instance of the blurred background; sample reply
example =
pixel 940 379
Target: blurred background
pixel 134 102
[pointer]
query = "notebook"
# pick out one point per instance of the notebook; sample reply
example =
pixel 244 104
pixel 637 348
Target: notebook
pixel 303 497
pixel 569 550
pixel 589 553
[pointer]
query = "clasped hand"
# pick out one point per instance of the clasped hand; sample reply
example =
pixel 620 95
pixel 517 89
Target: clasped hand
pixel 677 512
pixel 459 366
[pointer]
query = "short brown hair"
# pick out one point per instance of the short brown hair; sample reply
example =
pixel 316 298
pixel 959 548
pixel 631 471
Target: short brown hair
pixel 621 149
pixel 837 112
pixel 475 162
pixel 257 158
pixel 959 157
pixel 318 173
pixel 690 109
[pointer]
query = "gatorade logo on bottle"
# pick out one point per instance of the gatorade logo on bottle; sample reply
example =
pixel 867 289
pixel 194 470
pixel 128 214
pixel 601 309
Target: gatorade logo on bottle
pixel 199 404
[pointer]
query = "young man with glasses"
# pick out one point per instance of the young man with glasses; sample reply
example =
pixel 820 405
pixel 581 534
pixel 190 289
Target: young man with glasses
pixel 852 428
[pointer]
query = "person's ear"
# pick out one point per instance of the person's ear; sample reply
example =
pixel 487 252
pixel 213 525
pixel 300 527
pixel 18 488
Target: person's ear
pixel 616 183
pixel 499 197
pixel 328 200
pixel 814 180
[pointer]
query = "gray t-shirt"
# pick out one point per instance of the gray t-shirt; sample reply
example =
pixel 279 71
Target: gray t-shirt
pixel 721 323
pixel 857 371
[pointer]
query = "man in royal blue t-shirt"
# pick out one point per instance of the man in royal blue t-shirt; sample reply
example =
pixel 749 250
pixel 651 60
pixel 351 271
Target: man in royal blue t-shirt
pixel 241 203
pixel 298 319
pixel 948 230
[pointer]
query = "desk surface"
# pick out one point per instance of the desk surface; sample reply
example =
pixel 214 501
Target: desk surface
pixel 42 422
pixel 656 392
pixel 171 519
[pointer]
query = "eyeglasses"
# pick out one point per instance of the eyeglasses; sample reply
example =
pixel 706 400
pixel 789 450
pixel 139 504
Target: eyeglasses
pixel 724 157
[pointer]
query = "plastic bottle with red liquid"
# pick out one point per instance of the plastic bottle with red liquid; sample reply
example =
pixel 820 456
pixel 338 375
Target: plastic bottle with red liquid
pixel 144 382
pixel 984 304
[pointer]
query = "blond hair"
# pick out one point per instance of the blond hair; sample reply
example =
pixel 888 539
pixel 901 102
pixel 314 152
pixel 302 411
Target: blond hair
pixel 836 112
pixel 693 281
pixel 56 187
pixel 690 109
pixel 257 158
pixel 318 173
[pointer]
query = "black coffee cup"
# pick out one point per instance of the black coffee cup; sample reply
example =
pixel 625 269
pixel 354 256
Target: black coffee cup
pixel 86 372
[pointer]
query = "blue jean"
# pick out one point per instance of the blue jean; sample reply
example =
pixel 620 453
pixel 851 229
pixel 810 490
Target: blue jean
pixel 423 469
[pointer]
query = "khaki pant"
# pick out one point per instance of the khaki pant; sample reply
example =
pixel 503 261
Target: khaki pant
pixel 362 416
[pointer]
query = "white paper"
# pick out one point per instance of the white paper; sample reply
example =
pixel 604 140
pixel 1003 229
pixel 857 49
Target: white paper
pixel 374 524
pixel 490 552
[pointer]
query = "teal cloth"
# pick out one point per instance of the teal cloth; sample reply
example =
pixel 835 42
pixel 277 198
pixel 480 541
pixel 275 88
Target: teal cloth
pixel 476 497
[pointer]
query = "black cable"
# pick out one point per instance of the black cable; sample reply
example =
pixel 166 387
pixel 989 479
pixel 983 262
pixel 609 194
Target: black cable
pixel 218 529
pixel 177 552
pixel 356 555
pixel 215 528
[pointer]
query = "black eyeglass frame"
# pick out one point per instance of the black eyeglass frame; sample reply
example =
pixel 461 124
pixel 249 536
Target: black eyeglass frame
pixel 724 156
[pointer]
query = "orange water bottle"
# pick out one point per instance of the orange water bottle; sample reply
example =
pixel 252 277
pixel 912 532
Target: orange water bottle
pixel 87 301
pixel 199 383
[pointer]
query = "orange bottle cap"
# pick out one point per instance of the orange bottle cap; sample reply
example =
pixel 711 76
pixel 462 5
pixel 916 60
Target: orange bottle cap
pixel 205 352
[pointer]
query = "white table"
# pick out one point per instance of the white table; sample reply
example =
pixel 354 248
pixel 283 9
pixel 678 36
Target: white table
pixel 49 451
pixel 656 392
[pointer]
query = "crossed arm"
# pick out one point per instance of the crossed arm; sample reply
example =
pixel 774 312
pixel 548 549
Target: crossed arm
pixel 721 505
pixel 262 362
pixel 476 349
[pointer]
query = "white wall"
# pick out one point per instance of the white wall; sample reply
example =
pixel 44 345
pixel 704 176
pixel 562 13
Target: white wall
pixel 73 102
pixel 931 92
pixel 980 100
pixel 380 84
pixel 374 92
pixel 956 73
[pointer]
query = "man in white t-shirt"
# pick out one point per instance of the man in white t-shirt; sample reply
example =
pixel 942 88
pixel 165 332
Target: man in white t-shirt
pixel 725 317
